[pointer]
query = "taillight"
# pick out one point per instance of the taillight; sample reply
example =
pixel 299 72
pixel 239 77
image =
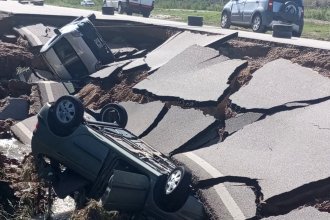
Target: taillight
pixel 270 5
pixel 36 128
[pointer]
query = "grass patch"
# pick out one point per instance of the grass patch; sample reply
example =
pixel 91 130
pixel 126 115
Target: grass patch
pixel 210 17
pixel 318 13
pixel 316 30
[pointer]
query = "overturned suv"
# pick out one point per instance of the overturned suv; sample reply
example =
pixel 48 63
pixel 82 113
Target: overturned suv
pixel 101 160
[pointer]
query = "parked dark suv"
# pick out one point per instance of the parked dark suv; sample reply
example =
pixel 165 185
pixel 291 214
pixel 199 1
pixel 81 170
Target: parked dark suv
pixel 103 161
pixel 260 15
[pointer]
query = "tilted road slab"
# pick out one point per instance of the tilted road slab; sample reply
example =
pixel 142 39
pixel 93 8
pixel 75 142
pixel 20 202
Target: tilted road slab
pixel 206 86
pixel 16 108
pixel 50 91
pixel 280 82
pixel 36 35
pixel 305 213
pixel 197 74
pixel 282 152
pixel 184 129
pixel 142 116
pixel 24 129
pixel 177 44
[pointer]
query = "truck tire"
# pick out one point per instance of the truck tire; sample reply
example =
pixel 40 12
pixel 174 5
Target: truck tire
pixel 195 21
pixel 282 30
pixel 114 113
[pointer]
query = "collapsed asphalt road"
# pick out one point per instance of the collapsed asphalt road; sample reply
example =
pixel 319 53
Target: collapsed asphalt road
pixel 266 162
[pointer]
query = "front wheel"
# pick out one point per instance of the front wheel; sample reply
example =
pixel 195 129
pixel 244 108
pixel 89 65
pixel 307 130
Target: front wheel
pixel 65 115
pixel 225 20
pixel 257 25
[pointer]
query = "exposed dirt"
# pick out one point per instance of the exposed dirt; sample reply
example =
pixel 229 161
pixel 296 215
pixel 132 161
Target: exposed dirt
pixel 13 56
pixel 98 93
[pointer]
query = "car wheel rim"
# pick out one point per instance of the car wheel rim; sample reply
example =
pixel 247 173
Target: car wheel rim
pixel 256 23
pixel 173 181
pixel 224 20
pixel 65 111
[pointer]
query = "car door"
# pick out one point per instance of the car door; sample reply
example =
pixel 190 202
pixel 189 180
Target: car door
pixel 237 11
pixel 249 8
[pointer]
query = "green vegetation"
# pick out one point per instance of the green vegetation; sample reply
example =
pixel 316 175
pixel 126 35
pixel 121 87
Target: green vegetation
pixel 317 20
pixel 318 13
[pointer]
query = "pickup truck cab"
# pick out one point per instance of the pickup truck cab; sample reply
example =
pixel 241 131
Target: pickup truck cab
pixel 143 7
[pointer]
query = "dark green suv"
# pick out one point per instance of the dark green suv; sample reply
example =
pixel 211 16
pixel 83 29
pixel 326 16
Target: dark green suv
pixel 105 162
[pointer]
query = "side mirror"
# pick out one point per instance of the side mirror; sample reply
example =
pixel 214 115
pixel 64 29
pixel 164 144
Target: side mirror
pixel 57 31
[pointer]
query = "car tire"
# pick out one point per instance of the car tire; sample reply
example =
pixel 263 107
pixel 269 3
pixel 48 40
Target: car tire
pixel 257 25
pixel 108 10
pixel 171 192
pixel 65 115
pixel 129 11
pixel 146 14
pixel 225 20
pixel 195 21
pixel 289 12
pixel 282 30
pixel 120 8
pixel 299 33
pixel 114 113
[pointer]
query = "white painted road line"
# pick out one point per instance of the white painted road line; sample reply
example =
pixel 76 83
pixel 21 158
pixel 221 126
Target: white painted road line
pixel 25 130
pixel 35 38
pixel 49 91
pixel 221 190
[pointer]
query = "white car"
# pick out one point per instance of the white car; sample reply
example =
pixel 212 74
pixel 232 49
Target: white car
pixel 143 7
pixel 77 50
pixel 87 3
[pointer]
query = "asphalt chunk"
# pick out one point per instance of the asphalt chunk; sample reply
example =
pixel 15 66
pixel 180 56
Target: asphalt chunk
pixel 189 77
pixel 281 82
pixel 182 129
pixel 142 116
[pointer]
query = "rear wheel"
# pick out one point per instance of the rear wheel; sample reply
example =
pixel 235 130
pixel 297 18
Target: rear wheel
pixel 225 20
pixel 257 25
pixel 171 192
pixel 299 32
pixel 65 115
pixel 146 14
pixel 120 8
pixel 114 113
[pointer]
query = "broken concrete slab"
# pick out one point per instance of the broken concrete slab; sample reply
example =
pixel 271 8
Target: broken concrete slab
pixel 204 85
pixel 238 122
pixel 50 91
pixel 141 117
pixel 281 152
pixel 139 63
pixel 24 129
pixel 110 70
pixel 14 108
pixel 280 82
pixel 37 34
pixel 304 213
pixel 182 129
pixel 177 44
